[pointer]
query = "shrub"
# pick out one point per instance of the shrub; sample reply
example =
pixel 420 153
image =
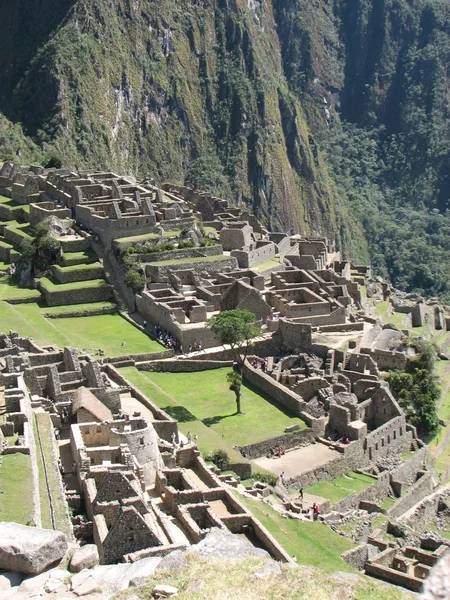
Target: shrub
pixel 135 280
pixel 219 457
pixel 268 478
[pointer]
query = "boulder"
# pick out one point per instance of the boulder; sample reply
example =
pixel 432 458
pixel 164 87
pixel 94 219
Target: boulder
pixel 84 558
pixel 83 583
pixel 29 550
pixel 221 544
pixel 173 561
pixel 164 591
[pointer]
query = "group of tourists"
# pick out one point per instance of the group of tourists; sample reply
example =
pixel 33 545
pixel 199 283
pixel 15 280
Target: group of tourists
pixel 259 363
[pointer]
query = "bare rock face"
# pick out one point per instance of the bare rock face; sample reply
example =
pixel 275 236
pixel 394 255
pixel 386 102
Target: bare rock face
pixel 437 584
pixel 84 558
pixel 223 545
pixel 29 549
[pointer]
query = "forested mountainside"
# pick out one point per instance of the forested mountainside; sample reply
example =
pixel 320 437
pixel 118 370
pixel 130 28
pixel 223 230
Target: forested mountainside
pixel 329 116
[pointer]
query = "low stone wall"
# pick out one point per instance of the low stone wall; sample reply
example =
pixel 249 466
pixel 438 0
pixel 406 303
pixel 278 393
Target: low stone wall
pixel 160 271
pixel 182 366
pixel 407 471
pixel 94 271
pixel 423 487
pixel 286 441
pixel 55 297
pixel 106 310
pixel 196 252
pixel 278 392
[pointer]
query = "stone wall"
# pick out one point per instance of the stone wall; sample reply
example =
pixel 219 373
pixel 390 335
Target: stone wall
pixel 182 365
pixel 94 271
pixel 255 255
pixel 391 436
pixel 423 487
pixel 160 272
pixel 179 254
pixel 407 471
pixel 287 441
pixel 43 210
pixel 293 402
pixel 55 297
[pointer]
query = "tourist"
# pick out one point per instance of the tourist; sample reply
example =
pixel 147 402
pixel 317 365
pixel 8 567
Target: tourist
pixel 316 511
pixel 195 438
pixel 282 478
pixel 189 437
pixel 300 493
pixel 74 467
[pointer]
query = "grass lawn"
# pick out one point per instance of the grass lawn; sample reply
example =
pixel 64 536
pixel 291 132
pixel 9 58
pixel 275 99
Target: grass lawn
pixel 10 291
pixel 16 487
pixel 44 450
pixel 206 395
pixel 341 487
pixel 145 237
pixel 75 268
pixel 268 264
pixel 91 307
pixel 88 333
pixel 313 543
pixel 182 261
pixel 48 285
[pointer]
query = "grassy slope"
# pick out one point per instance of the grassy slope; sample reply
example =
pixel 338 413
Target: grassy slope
pixel 224 580
pixel 16 488
pixel 341 487
pixel 206 395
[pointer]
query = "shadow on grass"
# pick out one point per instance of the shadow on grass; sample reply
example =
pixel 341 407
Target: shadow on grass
pixel 210 421
pixel 268 399
pixel 179 413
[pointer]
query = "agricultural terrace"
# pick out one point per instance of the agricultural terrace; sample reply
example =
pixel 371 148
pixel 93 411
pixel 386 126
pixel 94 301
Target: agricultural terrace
pixel 202 400
pixel 112 333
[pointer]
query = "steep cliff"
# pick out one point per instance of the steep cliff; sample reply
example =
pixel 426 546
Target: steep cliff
pixel 329 116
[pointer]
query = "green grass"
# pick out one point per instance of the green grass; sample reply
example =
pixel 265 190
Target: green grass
pixel 45 428
pixel 16 487
pixel 88 333
pixel 49 286
pixel 206 396
pixel 341 487
pixel 10 291
pixel 268 264
pixel 74 268
pixel 182 261
pixel 312 543
pixel 78 258
pixel 93 306
pixel 388 503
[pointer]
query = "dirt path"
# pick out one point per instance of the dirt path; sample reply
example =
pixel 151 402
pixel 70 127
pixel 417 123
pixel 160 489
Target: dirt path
pixel 299 461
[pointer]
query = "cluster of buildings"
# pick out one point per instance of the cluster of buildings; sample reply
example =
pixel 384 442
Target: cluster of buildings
pixel 139 490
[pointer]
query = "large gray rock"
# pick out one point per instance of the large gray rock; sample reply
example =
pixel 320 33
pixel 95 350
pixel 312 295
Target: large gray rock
pixel 174 561
pixel 223 545
pixel 115 578
pixel 84 558
pixel 29 549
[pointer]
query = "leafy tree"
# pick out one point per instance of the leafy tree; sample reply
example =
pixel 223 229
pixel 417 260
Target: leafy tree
pixel 135 280
pixel 236 328
pixel 417 389
pixel 42 251
pixel 206 173
pixel 235 380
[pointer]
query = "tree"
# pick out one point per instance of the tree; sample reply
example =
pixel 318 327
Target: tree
pixel 417 389
pixel 135 280
pixel 235 380
pixel 236 328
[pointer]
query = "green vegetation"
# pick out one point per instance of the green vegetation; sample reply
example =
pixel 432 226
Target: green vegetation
pixel 235 380
pixel 242 579
pixel 135 280
pixel 50 286
pixel 44 440
pixel 313 543
pixel 88 333
pixel 417 389
pixel 341 487
pixel 91 307
pixel 9 290
pixel 16 485
pixel 204 396
pixel 235 328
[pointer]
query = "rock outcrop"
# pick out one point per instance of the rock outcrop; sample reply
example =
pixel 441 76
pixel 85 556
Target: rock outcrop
pixel 29 550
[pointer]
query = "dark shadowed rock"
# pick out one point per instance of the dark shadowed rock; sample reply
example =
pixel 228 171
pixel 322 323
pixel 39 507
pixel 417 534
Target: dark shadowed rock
pixel 84 558
pixel 29 549
pixel 172 562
